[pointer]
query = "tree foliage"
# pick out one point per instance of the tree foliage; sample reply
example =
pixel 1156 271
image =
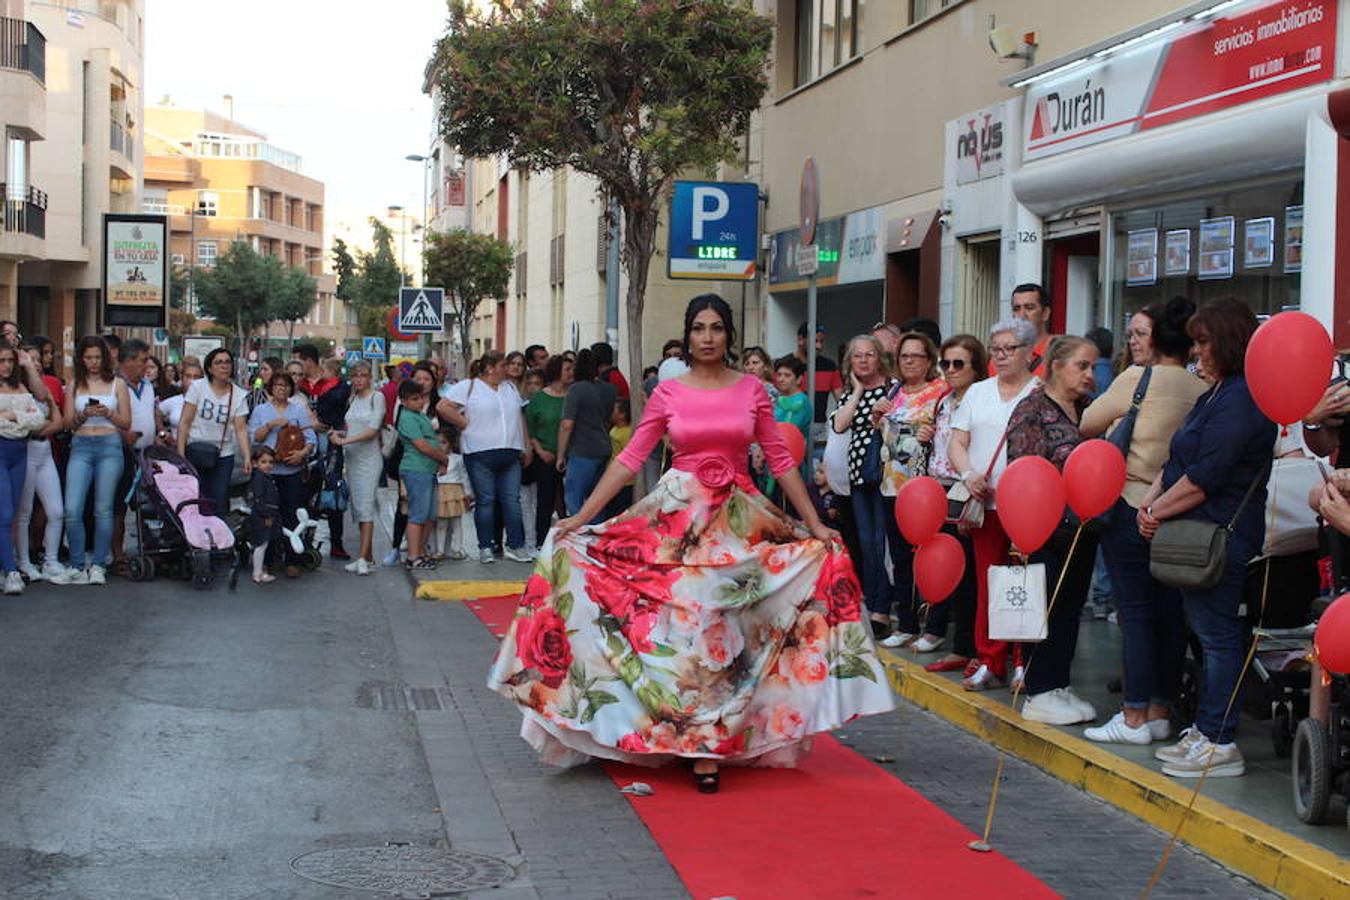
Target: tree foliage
pixel 471 268
pixel 376 278
pixel 244 291
pixel 631 92
pixel 296 292
pixel 344 265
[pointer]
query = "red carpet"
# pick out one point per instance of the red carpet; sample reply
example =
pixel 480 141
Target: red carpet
pixel 837 827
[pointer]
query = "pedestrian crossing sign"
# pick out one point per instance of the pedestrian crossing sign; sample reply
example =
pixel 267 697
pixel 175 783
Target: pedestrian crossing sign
pixel 421 310
pixel 353 357
pixel 372 347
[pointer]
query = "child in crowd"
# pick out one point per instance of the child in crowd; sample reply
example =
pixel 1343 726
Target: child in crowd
pixel 531 384
pixel 454 498
pixel 792 405
pixel 264 519
pixel 620 433
pixel 423 457
pixel 824 499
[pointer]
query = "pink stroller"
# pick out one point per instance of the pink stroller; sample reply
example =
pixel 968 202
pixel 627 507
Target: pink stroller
pixel 175 525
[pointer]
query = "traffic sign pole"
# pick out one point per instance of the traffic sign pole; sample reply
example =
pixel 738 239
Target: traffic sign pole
pixel 809 204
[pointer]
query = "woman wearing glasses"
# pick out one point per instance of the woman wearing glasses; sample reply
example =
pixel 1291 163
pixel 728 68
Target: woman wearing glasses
pixel 978 452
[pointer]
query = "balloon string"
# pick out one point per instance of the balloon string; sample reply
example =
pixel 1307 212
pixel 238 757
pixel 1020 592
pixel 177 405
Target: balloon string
pixel 1232 699
pixel 1017 687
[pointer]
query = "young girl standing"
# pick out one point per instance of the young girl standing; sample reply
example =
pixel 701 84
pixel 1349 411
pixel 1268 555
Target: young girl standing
pixel 453 499
pixel 264 520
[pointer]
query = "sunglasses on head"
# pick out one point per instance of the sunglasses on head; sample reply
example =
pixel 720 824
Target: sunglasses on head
pixel 956 365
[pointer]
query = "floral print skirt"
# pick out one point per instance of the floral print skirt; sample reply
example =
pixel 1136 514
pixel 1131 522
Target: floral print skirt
pixel 702 622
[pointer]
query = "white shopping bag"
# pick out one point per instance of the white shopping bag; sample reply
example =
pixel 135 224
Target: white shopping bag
pixel 1017 603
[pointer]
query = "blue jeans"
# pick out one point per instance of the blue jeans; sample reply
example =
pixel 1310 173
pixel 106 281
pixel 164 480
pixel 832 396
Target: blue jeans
pixel 13 470
pixel 495 476
pixel 1214 618
pixel 1152 624
pixel 869 511
pixel 95 462
pixel 582 475
pixel 214 484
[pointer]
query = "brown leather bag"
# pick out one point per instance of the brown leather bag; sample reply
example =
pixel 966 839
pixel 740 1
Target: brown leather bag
pixel 290 439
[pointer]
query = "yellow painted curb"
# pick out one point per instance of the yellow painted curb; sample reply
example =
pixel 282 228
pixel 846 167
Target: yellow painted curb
pixel 1272 857
pixel 464 590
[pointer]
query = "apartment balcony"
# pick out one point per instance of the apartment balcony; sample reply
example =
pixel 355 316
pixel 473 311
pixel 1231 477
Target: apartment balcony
pixel 122 143
pixel 23 73
pixel 25 223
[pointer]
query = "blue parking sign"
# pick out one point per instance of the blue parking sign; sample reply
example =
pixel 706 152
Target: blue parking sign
pixel 714 230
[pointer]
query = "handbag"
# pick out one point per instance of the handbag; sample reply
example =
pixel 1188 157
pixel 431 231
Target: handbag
pixel 389 434
pixel 1123 433
pixel 205 455
pixel 836 460
pixel 1017 603
pixel 1191 554
pixel 970 514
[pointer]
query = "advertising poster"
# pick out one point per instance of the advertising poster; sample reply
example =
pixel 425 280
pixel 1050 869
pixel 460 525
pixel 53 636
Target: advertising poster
pixel 1141 257
pixel 1216 247
pixel 1258 243
pixel 1178 253
pixel 1293 239
pixel 135 270
pixel 200 345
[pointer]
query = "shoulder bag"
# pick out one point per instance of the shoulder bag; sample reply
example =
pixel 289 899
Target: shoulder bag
pixel 964 510
pixel 871 470
pixel 1190 554
pixel 1124 432
pixel 389 434
pixel 204 455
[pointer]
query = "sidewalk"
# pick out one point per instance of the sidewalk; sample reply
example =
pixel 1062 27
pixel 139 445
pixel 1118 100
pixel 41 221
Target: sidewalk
pixel 1247 823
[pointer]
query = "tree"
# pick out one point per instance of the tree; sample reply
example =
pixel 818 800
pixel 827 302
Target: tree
pixel 472 268
pixel 293 300
pixel 376 280
pixel 180 283
pixel 238 289
pixel 345 267
pixel 630 92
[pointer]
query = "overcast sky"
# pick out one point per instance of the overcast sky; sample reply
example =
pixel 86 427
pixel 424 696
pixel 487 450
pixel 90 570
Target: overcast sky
pixel 344 92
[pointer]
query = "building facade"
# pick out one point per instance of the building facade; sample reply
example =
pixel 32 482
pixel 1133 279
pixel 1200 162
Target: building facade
pixel 23 110
pixel 220 182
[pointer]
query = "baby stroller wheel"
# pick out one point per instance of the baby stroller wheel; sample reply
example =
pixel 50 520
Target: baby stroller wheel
pixel 313 559
pixel 1312 771
pixel 140 568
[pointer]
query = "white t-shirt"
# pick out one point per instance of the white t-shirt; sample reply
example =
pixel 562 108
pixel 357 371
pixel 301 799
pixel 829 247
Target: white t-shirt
pixel 984 415
pixel 494 415
pixel 142 411
pixel 172 411
pixel 212 415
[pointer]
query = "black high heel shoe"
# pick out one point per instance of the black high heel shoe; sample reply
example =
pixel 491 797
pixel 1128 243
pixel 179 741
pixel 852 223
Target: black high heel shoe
pixel 707 782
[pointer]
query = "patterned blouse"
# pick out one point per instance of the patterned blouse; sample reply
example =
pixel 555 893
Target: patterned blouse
pixel 902 455
pixel 1040 427
pixel 862 429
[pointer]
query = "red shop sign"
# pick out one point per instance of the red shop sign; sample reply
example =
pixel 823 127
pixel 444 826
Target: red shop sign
pixel 1197 68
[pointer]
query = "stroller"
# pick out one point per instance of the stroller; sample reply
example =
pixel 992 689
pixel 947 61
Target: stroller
pixel 176 529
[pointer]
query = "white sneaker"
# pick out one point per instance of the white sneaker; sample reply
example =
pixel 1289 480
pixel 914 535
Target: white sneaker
pixel 13 583
pixel 352 566
pixel 519 554
pixel 897 639
pixel 97 575
pixel 1051 708
pixel 457 556
pixel 1085 709
pixel 1017 683
pixel 31 572
pixel 1117 732
pixel 71 576
pixel 363 567
pixel 1220 760
pixel 485 556
pixel 1160 729
pixel 390 559
pixel 927 643
pixel 1178 751
pixel 53 570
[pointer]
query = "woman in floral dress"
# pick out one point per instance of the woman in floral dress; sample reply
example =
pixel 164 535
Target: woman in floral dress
pixel 703 622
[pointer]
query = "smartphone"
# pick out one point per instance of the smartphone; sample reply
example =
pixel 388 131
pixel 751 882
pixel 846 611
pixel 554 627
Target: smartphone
pixel 1326 476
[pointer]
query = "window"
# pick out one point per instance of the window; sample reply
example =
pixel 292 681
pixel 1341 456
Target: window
pixel 923 9
pixel 827 36
pixel 206 254
pixel 208 203
pixel 16 170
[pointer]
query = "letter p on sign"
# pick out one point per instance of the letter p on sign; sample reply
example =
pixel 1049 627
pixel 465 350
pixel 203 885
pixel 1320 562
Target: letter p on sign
pixel 702 214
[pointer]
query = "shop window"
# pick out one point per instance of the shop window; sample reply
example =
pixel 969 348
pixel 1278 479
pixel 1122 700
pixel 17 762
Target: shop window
pixel 981 304
pixel 826 36
pixel 1244 242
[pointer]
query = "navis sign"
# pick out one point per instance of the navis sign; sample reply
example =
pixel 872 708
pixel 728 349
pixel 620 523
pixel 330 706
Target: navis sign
pixel 1199 68
pixel 979 145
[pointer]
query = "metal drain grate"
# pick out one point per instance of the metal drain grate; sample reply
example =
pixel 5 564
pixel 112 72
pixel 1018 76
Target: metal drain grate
pixel 375 695
pixel 404 869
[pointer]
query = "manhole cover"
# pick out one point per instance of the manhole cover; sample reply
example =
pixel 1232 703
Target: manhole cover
pixel 405 869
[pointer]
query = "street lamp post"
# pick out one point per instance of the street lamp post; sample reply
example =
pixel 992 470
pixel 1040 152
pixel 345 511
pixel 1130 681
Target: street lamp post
pixel 417 157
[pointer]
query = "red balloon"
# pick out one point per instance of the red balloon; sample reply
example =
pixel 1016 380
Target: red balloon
pixel 1094 476
pixel 1331 643
pixel 1288 365
pixel 938 567
pixel 1030 500
pixel 796 444
pixel 920 508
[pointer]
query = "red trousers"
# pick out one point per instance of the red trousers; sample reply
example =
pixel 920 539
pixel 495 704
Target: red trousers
pixel 991 549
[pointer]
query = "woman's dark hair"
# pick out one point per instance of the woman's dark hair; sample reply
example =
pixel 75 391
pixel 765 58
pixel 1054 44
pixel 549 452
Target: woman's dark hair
pixel 104 372
pixel 274 363
pixel 13 381
pixel 585 368
pixel 623 407
pixel 979 357
pixel 717 305
pixel 761 353
pixel 210 360
pixel 489 359
pixel 1228 324
pixel 1171 337
pixel 553 369
pixel 285 378
pixel 424 366
pixel 513 356
pixel 929 348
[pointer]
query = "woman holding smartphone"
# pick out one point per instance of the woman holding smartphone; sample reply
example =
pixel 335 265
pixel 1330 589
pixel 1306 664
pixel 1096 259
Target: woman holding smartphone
pixel 96 407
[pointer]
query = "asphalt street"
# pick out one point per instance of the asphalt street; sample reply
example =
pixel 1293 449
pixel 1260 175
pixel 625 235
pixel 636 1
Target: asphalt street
pixel 160 742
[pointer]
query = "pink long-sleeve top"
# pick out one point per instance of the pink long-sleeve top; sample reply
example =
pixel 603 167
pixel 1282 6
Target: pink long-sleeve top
pixel 710 425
